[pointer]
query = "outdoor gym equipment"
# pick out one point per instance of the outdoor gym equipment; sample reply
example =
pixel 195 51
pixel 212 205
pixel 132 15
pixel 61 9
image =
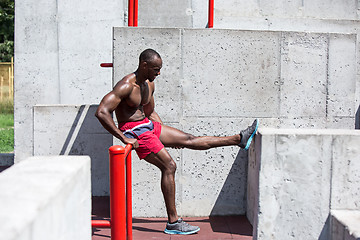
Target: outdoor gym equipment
pixel 120 194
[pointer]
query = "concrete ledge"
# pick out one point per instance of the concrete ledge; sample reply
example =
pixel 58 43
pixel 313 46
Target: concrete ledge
pixel 44 198
pixel 296 176
pixel 345 225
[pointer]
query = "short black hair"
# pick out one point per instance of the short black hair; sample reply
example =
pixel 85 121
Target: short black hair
pixel 148 55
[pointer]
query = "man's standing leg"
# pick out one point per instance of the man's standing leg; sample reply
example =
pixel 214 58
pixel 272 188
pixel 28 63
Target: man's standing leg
pixel 167 166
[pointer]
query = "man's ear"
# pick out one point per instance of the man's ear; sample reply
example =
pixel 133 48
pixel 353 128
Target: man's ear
pixel 143 64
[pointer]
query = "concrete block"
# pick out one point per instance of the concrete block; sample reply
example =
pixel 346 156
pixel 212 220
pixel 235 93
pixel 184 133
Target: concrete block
pixel 36 26
pixel 74 130
pixel 91 11
pixel 288 205
pixel 303 74
pixel 167 43
pixel 173 14
pixel 345 225
pixel 342 75
pixel 295 176
pixel 50 199
pixel 74 80
pixel 336 10
pixel 345 182
pixel 214 87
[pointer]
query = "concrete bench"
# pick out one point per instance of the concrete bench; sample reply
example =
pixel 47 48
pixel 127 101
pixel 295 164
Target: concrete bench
pixel 45 198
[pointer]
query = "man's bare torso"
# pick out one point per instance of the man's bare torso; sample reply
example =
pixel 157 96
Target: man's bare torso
pixel 131 107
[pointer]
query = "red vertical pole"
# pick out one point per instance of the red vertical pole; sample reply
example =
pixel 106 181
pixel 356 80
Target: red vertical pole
pixel 131 13
pixel 211 14
pixel 135 13
pixel 117 192
pixel 128 192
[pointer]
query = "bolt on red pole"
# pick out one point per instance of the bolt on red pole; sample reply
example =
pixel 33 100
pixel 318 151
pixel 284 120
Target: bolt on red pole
pixel 211 14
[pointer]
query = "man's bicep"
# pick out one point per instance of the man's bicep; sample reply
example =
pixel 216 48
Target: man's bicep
pixel 110 101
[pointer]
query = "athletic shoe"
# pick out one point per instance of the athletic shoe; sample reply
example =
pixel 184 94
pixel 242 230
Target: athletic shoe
pixel 180 227
pixel 248 134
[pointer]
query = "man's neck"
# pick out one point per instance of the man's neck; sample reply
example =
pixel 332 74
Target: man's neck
pixel 140 79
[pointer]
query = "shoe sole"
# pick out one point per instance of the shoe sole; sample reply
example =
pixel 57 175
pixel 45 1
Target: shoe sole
pixel 181 233
pixel 252 135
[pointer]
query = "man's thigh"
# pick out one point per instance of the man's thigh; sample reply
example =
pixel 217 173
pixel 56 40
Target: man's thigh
pixel 172 137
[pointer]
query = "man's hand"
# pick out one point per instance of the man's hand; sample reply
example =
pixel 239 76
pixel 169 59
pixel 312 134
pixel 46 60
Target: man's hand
pixel 134 143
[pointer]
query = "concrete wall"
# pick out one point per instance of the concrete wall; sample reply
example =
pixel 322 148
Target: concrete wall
pixel 291 79
pixel 59 44
pixel 297 176
pixel 44 198
pixel 58 48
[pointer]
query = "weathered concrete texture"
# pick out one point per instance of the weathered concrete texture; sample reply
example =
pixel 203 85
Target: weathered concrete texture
pixel 74 130
pixel 299 15
pixel 173 13
pixel 46 198
pixel 296 176
pixel 58 48
pixel 345 225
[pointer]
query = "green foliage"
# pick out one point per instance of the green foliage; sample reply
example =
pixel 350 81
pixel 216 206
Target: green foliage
pixel 6 30
pixel 6 140
pixel 6 132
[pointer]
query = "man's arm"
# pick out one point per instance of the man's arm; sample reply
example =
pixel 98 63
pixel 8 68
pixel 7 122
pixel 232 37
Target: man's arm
pixel 107 105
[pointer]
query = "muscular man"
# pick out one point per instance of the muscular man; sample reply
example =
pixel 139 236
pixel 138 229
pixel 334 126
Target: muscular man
pixel 132 99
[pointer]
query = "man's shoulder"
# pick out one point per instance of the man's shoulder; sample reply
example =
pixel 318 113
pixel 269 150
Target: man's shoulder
pixel 125 85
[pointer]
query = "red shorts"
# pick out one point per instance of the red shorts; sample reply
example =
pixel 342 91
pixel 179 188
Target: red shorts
pixel 147 133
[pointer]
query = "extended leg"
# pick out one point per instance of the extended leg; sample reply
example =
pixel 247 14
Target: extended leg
pixel 172 137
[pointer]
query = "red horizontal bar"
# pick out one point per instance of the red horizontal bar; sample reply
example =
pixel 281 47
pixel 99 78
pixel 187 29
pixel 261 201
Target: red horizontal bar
pixel 106 64
pixel 100 224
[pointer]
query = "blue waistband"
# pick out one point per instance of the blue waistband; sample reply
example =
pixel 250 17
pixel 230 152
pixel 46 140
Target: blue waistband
pixel 139 129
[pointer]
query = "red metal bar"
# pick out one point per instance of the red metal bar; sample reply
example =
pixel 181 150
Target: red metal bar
pixel 120 194
pixel 135 13
pixel 106 64
pixel 211 14
pixel 128 192
pixel 117 193
pixel 131 13
pixel 100 224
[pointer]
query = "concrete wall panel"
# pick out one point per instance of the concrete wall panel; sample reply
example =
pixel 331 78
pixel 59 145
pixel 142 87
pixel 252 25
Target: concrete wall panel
pixel 51 199
pixel 78 133
pixel 303 74
pixel 342 75
pixel 157 14
pixel 229 70
pixel 346 168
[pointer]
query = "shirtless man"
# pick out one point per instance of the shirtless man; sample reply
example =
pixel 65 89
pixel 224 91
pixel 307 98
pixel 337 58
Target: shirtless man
pixel 132 99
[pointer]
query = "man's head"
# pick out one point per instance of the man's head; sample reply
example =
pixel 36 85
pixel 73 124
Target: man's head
pixel 150 62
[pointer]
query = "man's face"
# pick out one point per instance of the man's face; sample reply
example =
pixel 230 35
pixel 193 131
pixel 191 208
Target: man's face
pixel 154 67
